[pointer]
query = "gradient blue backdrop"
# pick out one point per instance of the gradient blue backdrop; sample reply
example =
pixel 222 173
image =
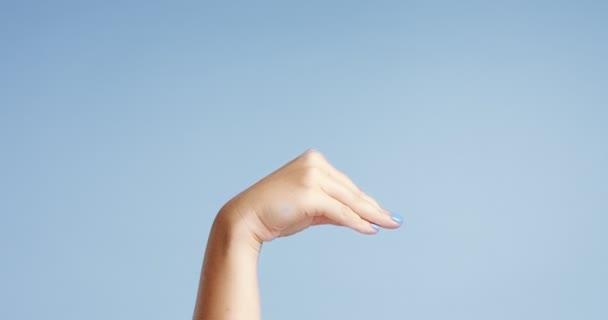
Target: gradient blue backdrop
pixel 125 126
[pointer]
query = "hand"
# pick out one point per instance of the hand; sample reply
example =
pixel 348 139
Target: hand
pixel 306 191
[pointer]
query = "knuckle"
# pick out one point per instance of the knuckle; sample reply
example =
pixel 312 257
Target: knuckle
pixel 312 157
pixel 345 214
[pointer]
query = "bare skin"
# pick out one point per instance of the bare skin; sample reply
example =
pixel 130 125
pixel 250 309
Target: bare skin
pixel 305 192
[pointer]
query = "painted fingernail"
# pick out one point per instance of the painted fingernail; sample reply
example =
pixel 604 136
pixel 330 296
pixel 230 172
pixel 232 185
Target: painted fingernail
pixel 376 227
pixel 397 218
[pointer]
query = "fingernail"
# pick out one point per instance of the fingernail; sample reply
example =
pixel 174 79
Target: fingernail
pixel 397 218
pixel 376 227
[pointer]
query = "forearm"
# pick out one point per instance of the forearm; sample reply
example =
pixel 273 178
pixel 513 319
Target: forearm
pixel 228 288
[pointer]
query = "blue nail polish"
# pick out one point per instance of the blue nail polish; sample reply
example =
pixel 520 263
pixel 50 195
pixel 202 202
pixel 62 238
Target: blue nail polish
pixel 376 227
pixel 397 218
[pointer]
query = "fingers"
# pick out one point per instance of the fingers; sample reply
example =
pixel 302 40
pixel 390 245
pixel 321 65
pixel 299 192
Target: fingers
pixel 364 209
pixel 340 187
pixel 346 181
pixel 332 211
pixel 315 158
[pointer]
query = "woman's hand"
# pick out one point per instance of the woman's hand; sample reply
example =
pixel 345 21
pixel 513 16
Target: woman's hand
pixel 306 191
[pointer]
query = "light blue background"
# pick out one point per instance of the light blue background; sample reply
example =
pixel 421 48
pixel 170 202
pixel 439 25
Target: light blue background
pixel 125 126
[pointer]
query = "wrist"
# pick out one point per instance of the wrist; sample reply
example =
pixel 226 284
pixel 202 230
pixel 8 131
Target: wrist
pixel 234 229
